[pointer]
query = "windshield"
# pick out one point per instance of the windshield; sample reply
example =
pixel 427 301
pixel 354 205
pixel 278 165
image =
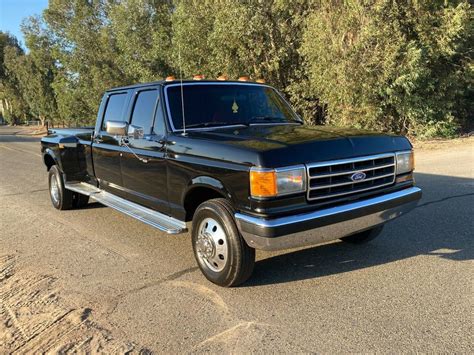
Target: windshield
pixel 208 105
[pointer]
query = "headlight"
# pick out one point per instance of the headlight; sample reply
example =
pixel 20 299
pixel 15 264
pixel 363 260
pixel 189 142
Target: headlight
pixel 405 162
pixel 277 182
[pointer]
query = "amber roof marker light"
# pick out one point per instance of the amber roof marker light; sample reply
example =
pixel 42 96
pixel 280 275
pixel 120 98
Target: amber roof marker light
pixel 198 77
pixel 260 81
pixel 170 78
pixel 222 77
pixel 244 78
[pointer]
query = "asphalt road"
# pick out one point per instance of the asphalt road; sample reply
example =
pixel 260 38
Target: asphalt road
pixel 94 279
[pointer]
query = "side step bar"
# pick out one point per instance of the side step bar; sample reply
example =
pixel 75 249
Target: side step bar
pixel 156 219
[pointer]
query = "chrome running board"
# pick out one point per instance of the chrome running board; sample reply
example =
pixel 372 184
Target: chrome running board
pixel 156 219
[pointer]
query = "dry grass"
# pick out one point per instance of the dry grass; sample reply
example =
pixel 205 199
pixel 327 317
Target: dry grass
pixel 443 143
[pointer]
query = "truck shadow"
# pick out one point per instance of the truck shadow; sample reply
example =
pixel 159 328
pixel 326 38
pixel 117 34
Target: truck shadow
pixel 441 226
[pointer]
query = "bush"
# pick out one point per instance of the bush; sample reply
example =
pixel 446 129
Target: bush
pixel 395 66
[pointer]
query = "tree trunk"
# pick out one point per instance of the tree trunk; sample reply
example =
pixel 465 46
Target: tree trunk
pixel 42 120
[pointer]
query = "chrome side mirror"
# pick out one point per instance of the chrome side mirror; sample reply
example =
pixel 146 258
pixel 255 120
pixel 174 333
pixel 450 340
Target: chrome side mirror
pixel 136 132
pixel 116 128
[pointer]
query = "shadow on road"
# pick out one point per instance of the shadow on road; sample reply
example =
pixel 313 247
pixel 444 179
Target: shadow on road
pixel 441 226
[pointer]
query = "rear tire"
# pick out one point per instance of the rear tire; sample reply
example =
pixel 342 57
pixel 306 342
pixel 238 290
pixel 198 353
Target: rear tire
pixel 363 237
pixel 220 251
pixel 61 198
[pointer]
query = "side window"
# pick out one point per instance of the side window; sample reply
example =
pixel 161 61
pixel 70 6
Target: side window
pixel 159 122
pixel 114 108
pixel 144 109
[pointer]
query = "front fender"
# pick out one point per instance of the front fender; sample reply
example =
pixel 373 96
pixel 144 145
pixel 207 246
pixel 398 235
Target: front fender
pixel 210 183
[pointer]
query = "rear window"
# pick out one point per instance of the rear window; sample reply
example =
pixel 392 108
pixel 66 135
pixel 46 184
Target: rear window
pixel 143 110
pixel 114 108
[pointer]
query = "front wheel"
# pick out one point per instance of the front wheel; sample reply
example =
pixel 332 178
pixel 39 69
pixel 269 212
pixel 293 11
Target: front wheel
pixel 363 237
pixel 222 255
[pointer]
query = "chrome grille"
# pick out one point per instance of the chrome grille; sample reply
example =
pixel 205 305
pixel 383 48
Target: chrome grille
pixel 333 179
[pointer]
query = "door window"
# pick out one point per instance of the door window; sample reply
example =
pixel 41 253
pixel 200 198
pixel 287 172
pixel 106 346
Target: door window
pixel 113 111
pixel 144 109
pixel 159 121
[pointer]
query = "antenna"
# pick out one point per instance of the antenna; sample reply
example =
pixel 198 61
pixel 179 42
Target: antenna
pixel 182 94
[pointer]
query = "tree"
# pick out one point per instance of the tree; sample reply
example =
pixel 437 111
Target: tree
pixel 142 33
pixel 392 65
pixel 402 66
pixel 85 51
pixel 251 37
pixel 12 105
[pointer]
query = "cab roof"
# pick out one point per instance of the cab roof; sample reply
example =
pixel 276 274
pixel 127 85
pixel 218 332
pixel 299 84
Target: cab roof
pixel 177 81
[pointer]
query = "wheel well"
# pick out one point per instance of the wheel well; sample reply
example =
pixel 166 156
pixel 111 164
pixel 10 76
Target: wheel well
pixel 197 196
pixel 49 161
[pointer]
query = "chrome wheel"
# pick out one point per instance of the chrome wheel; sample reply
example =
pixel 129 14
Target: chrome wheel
pixel 211 245
pixel 54 189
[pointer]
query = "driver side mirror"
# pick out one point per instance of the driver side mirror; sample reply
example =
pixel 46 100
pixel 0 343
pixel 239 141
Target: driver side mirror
pixel 116 128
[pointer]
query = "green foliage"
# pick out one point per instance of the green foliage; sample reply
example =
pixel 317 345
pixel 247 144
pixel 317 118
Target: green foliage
pixel 399 66
pixel 402 66
pixel 12 105
pixel 232 37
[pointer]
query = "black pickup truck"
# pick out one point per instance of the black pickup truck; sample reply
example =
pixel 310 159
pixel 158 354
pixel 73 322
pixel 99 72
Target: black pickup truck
pixel 234 160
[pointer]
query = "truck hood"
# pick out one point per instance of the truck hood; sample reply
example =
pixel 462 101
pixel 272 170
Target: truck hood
pixel 283 145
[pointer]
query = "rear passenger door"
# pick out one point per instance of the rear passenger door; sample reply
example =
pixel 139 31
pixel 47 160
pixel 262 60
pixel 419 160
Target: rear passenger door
pixel 106 148
pixel 144 165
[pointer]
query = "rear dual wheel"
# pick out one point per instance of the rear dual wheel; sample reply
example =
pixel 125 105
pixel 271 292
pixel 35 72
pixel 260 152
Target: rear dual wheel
pixel 220 251
pixel 62 198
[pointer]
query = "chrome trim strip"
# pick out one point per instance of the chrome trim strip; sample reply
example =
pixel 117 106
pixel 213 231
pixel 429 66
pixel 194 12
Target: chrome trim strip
pixel 327 232
pixel 67 145
pixel 154 218
pixel 351 171
pixel 350 192
pixel 351 182
pixel 347 161
pixel 303 217
pixel 350 160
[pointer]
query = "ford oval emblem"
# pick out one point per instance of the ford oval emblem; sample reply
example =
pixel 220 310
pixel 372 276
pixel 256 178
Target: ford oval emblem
pixel 358 176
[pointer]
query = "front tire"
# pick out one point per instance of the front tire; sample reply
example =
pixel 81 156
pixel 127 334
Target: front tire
pixel 61 198
pixel 220 251
pixel 363 237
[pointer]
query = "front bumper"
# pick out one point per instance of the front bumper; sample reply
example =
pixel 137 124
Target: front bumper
pixel 325 225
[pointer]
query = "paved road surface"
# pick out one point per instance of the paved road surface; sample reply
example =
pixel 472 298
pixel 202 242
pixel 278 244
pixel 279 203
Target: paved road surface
pixel 96 280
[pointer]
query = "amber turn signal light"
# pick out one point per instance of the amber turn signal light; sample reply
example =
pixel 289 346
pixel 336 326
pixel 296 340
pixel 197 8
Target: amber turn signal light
pixel 263 183
pixel 198 77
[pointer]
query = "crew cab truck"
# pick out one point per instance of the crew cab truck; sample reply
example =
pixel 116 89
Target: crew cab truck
pixel 232 161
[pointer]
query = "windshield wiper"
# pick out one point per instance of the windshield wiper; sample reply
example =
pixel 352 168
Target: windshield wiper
pixel 269 119
pixel 209 124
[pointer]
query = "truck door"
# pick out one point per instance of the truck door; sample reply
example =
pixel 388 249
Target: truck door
pixel 106 148
pixel 144 165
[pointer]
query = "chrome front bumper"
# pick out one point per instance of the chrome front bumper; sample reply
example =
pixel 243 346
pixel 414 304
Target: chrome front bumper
pixel 325 225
